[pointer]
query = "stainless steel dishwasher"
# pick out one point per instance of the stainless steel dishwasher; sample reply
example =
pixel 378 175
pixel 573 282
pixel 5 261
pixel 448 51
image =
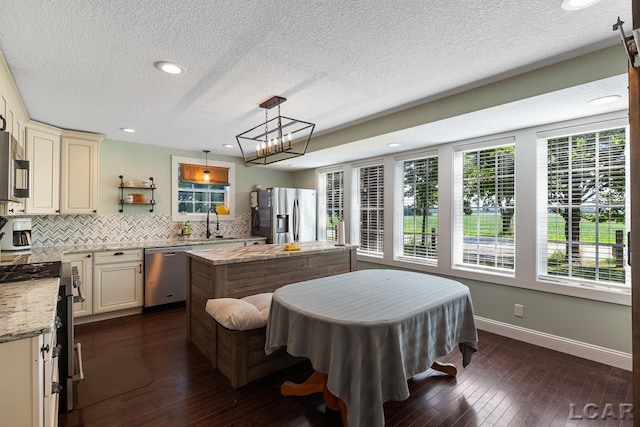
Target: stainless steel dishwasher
pixel 165 275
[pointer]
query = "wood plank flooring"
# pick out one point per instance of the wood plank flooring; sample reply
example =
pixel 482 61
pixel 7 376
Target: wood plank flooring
pixel 508 383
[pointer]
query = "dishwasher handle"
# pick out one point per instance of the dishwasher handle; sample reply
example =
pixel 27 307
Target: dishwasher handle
pixel 167 251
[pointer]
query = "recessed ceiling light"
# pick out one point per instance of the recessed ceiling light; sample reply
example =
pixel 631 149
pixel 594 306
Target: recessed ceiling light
pixel 393 144
pixel 577 4
pixel 292 165
pixel 128 130
pixel 604 100
pixel 227 145
pixel 169 67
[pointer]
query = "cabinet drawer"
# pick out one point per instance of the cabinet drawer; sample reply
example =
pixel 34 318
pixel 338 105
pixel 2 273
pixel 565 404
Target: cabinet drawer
pixel 117 256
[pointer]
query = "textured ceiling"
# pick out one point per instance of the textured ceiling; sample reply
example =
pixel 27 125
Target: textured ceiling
pixel 90 66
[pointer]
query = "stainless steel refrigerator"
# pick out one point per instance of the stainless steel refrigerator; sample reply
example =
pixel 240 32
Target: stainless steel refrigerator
pixel 285 215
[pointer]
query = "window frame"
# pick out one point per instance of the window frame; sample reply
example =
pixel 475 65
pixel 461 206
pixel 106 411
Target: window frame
pixel 399 207
pixel 322 205
pixel 356 210
pixel 457 227
pixel 542 203
pixel 176 216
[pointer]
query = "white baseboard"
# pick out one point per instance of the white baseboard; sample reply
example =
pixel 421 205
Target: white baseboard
pixel 106 316
pixel 596 353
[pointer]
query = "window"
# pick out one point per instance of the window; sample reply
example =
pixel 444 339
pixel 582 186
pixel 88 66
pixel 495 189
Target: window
pixel 417 209
pixel 369 180
pixel 583 219
pixel 484 199
pixel 192 196
pixel 198 198
pixel 331 196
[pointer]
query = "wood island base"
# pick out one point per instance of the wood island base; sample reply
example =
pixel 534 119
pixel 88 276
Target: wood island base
pixel 317 383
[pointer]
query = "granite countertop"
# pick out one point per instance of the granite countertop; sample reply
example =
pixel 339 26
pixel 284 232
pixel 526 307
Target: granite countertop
pixel 261 252
pixel 55 253
pixel 27 308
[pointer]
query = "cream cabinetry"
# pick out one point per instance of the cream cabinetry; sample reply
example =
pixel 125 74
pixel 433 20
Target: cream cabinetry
pixel 79 173
pixel 43 153
pixel 64 171
pixel 28 390
pixel 117 280
pixel 84 263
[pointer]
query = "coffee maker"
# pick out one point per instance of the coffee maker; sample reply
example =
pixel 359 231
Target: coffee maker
pixel 16 235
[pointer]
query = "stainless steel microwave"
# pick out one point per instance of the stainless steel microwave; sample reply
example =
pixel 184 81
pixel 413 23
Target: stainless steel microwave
pixel 14 170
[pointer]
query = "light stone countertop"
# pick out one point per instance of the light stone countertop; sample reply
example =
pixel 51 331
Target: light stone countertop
pixel 262 252
pixel 55 253
pixel 27 308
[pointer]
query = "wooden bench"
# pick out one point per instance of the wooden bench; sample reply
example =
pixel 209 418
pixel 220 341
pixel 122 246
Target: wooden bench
pixel 240 355
pixel 239 330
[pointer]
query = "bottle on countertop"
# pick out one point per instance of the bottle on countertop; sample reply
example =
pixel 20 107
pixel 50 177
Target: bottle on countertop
pixel 186 230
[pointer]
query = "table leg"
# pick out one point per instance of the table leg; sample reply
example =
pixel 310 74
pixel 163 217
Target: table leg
pixel 447 368
pixel 316 383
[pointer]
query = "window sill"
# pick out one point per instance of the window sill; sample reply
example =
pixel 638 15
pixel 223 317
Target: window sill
pixel 567 289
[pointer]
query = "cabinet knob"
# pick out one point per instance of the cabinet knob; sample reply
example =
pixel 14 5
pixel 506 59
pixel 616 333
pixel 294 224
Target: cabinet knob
pixel 44 349
pixel 10 210
pixel 89 256
pixel 119 253
pixel 57 210
pixel 95 211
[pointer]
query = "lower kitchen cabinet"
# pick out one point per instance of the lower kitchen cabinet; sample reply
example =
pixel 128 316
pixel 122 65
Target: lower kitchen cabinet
pixel 28 394
pixel 117 280
pixel 83 261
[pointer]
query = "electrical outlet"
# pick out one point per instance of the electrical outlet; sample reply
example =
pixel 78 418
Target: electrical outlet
pixel 518 310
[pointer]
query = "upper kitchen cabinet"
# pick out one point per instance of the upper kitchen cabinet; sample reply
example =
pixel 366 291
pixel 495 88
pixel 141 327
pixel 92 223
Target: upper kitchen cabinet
pixel 43 153
pixel 64 171
pixel 79 175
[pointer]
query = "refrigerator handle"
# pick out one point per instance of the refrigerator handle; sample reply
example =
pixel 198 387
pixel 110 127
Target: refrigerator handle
pixel 296 220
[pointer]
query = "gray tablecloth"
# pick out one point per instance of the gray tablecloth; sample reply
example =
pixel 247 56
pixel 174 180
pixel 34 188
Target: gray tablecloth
pixel 370 331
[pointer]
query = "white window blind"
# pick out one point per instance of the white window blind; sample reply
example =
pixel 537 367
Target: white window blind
pixel 484 208
pixel 370 184
pixel 583 222
pixel 417 210
pixel 333 203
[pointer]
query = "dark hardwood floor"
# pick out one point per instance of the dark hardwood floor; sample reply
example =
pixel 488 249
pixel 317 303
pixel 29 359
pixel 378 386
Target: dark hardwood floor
pixel 508 383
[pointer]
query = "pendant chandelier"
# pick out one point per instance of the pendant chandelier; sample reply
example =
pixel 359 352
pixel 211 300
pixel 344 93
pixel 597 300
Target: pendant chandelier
pixel 206 166
pixel 277 139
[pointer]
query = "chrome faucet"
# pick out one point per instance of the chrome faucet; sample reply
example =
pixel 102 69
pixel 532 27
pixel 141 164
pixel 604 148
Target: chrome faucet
pixel 208 232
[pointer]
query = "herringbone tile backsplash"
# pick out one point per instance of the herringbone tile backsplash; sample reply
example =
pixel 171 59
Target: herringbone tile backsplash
pixel 66 230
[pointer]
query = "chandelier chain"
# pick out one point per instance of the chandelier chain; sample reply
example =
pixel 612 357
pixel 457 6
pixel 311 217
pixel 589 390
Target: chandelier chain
pixel 266 125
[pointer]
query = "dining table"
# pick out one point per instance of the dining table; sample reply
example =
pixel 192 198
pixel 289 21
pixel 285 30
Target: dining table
pixel 367 332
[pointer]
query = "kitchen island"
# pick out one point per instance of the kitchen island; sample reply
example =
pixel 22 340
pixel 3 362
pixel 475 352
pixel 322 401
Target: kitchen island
pixel 244 271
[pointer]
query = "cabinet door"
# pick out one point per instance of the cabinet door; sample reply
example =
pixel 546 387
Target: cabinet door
pixel 117 286
pixel 84 263
pixel 22 386
pixel 43 152
pixel 79 175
